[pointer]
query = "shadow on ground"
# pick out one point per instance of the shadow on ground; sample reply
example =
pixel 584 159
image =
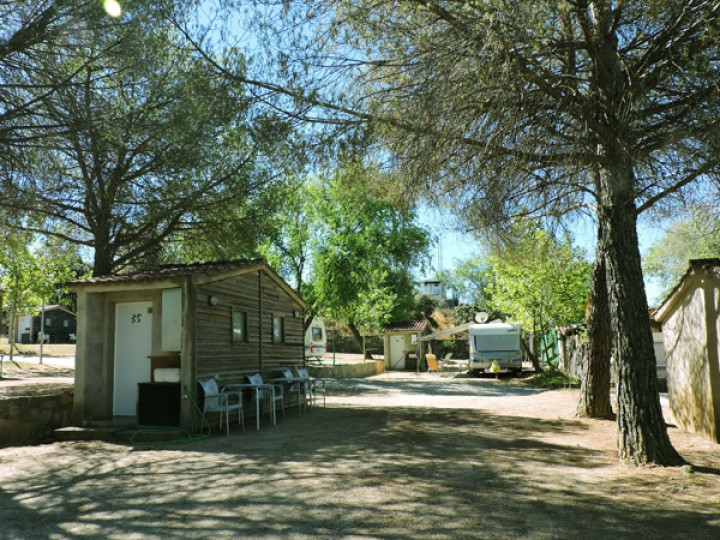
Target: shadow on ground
pixel 402 473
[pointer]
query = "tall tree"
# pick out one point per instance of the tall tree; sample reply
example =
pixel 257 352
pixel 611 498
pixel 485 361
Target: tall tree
pixel 595 379
pixel 517 107
pixel 364 250
pixel 28 32
pixel 469 280
pixel 152 145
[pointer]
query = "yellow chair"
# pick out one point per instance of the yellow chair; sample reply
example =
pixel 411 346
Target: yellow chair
pixel 432 363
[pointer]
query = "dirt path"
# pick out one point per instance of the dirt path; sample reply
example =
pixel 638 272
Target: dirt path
pixel 422 457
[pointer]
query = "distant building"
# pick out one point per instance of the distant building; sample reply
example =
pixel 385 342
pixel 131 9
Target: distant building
pixel 60 326
pixel 436 289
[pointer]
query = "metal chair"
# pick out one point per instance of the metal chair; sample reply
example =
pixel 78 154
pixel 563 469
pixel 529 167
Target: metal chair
pixel 298 386
pixel 317 386
pixel 271 393
pixel 223 402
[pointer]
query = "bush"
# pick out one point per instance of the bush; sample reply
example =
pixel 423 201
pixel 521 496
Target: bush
pixel 552 379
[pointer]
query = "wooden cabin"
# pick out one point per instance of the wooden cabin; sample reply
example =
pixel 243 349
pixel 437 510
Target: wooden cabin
pixel 60 325
pixel 145 339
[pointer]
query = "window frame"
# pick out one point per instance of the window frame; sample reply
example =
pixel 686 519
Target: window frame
pixel 281 337
pixel 238 333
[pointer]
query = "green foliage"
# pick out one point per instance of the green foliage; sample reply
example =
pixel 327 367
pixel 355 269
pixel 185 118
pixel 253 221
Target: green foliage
pixel 154 156
pixel 464 313
pixel 697 237
pixel 552 379
pixel 31 274
pixel 351 252
pixel 425 306
pixel 469 280
pixel 364 252
pixel 539 281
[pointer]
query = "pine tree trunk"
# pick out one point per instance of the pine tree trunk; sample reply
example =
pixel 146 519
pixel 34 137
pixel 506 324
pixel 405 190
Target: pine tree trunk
pixel 595 387
pixel 642 433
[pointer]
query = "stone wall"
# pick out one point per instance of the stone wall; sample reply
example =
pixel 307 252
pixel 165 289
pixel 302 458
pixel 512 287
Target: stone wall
pixel 31 419
pixel 348 371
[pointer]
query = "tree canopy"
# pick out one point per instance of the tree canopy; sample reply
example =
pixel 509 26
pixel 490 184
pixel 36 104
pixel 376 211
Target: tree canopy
pixel 539 280
pixel 348 249
pixel 149 147
pixel 542 109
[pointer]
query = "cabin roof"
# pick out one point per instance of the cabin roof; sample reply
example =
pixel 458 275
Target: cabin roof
pixel 56 307
pixel 173 271
pixel 413 327
pixel 696 267
pixel 207 271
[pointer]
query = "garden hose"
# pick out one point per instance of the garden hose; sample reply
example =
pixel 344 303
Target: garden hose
pixel 180 440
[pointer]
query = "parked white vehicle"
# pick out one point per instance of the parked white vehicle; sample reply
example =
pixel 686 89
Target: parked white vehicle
pixel 315 339
pixel 494 342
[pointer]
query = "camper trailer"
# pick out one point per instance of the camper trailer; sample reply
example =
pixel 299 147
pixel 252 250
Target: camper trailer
pixel 315 339
pixel 498 342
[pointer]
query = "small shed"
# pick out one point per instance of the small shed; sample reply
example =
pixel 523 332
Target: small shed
pixel 690 319
pixel 186 322
pixel 403 350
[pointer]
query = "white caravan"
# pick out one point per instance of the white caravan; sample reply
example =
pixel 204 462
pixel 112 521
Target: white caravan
pixel 315 339
pixel 499 342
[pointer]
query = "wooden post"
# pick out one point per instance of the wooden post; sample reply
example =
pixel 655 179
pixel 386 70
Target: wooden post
pixel 188 354
pixel 260 321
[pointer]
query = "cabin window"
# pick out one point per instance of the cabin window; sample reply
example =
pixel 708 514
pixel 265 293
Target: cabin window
pixel 48 321
pixel 171 319
pixel 66 323
pixel 239 326
pixel 278 329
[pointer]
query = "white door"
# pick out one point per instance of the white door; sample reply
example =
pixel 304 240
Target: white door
pixel 133 346
pixel 397 352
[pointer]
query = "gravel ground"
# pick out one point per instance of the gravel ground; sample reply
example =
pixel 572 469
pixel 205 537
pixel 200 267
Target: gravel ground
pixel 402 457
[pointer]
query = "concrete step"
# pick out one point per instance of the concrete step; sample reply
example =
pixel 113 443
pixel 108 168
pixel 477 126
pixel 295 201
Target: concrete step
pixel 149 434
pixel 119 434
pixel 74 433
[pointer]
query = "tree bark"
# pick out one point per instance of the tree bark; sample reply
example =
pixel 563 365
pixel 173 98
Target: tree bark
pixel 358 337
pixel 532 356
pixel 595 383
pixel 642 433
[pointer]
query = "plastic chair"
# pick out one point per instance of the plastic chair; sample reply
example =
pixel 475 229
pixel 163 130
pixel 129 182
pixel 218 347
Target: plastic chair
pixel 222 402
pixel 432 363
pixel 316 386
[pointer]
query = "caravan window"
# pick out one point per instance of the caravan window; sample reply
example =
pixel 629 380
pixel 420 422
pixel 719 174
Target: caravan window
pixel 317 333
pixel 497 343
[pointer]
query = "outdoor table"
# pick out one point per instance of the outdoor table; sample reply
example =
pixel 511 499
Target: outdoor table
pixel 257 388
